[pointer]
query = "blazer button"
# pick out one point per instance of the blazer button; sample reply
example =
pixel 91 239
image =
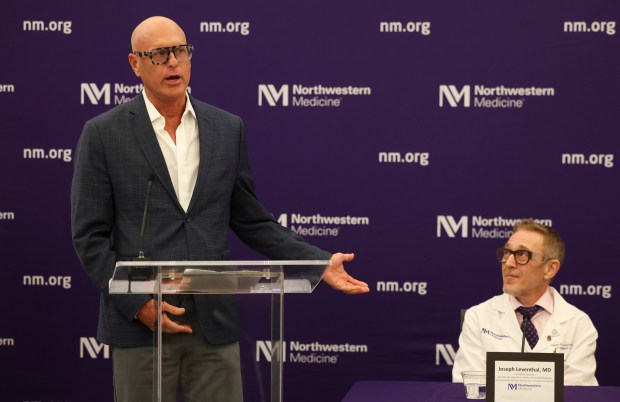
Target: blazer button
pixel 188 220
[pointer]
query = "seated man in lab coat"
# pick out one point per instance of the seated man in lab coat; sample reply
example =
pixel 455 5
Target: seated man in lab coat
pixel 530 260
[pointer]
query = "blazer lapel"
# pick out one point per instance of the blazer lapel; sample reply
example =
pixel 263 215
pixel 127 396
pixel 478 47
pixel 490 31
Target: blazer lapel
pixel 143 130
pixel 206 135
pixel 508 319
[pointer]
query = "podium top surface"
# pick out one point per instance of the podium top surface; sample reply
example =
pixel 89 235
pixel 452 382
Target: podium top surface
pixel 216 277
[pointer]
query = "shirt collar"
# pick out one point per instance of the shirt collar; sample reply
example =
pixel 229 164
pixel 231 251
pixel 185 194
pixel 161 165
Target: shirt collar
pixel 545 301
pixel 154 114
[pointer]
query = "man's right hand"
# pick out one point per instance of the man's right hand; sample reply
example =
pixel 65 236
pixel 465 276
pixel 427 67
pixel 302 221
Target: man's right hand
pixel 148 314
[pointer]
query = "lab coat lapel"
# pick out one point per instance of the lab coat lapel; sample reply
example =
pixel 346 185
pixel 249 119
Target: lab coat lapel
pixel 556 326
pixel 508 320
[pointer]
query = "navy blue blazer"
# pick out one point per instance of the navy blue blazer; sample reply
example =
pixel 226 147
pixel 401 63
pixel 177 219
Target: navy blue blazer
pixel 115 156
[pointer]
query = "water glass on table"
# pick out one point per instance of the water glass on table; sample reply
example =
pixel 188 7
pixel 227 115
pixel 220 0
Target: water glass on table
pixel 475 384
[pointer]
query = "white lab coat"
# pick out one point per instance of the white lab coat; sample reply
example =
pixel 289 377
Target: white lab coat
pixel 493 327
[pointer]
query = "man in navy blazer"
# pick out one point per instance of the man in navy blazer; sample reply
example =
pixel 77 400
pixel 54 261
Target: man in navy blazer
pixel 192 157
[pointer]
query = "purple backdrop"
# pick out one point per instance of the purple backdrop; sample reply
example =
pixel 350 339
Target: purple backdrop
pixel 410 133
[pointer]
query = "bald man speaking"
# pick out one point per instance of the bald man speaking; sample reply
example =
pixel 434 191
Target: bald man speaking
pixel 193 160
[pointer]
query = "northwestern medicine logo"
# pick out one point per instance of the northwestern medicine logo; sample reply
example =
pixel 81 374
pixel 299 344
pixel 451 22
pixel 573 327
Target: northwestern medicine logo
pixel 446 352
pixel 89 347
pixel 102 94
pixel 273 95
pixel 319 225
pixel 96 94
pixel 454 96
pixel 311 352
pixel 479 226
pixel 496 97
pixel 307 96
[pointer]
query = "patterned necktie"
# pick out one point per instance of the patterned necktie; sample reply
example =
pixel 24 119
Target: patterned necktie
pixel 527 327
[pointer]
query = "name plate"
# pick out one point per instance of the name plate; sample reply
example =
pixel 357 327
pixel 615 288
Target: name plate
pixel 525 377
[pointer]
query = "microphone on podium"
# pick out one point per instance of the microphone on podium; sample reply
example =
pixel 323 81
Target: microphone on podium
pixel 142 273
pixel 149 185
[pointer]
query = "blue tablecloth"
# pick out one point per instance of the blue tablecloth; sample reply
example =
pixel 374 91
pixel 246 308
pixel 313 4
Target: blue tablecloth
pixel 411 391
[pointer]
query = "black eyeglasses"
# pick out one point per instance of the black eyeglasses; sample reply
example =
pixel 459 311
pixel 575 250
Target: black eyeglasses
pixel 162 54
pixel 522 257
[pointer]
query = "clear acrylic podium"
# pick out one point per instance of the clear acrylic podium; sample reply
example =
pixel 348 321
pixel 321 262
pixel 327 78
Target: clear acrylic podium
pixel 276 278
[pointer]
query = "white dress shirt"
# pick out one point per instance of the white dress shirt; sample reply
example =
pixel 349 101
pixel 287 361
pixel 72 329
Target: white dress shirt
pixel 183 157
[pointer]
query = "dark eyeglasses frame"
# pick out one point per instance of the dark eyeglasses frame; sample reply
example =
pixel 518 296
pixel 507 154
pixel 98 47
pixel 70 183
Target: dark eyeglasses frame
pixel 504 252
pixel 189 48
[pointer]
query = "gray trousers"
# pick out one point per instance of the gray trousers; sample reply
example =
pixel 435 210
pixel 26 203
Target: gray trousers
pixel 198 371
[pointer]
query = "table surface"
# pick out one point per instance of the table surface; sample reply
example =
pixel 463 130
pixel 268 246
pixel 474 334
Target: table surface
pixel 412 391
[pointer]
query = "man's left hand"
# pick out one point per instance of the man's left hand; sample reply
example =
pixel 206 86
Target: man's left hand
pixel 336 277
